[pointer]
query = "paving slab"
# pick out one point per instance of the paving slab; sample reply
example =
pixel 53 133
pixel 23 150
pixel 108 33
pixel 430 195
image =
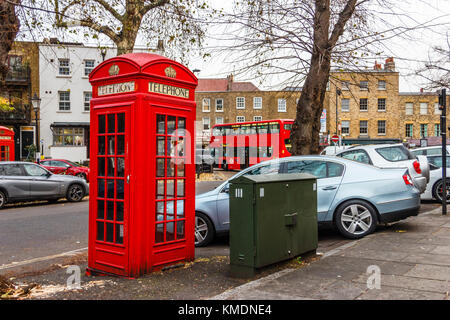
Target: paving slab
pixel 389 293
pixel 427 271
pixel 425 258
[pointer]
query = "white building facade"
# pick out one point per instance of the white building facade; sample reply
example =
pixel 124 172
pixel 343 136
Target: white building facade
pixel 65 93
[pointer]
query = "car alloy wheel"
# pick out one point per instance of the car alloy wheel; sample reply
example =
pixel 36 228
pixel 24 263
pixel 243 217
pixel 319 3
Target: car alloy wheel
pixel 356 219
pixel 2 199
pixel 75 193
pixel 203 230
pixel 437 190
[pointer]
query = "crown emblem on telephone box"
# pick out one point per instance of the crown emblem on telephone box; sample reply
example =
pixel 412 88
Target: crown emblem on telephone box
pixel 170 72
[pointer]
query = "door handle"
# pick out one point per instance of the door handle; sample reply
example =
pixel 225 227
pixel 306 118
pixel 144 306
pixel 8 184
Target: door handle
pixel 128 179
pixel 329 188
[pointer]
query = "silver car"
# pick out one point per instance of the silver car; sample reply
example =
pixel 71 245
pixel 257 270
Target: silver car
pixel 434 187
pixel 351 196
pixel 26 181
pixel 392 156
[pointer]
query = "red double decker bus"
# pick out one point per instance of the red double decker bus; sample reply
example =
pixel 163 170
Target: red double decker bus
pixel 240 145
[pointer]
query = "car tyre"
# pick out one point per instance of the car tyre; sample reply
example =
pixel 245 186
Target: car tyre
pixel 355 219
pixel 75 193
pixel 2 199
pixel 204 230
pixel 437 190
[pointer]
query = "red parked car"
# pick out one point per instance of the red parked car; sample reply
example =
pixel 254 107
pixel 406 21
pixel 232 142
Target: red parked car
pixel 60 166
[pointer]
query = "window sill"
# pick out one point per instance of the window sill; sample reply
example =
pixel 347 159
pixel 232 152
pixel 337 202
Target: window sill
pixel 53 146
pixel 206 111
pixel 257 108
pixel 64 76
pixel 363 110
pixel 221 111
pixel 381 110
pixel 86 111
pixel 64 111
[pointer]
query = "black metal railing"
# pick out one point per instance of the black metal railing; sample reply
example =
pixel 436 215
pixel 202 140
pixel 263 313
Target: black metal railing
pixel 18 74
pixel 21 112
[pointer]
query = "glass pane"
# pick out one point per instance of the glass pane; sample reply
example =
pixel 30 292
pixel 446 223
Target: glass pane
pixel 180 229
pixel 181 126
pixel 160 146
pixel 180 208
pixel 159 233
pixel 180 168
pixel 159 189
pixel 180 188
pixel 170 210
pixel 161 124
pixel 160 211
pixel 121 122
pixel 110 188
pixel 100 231
pixel 111 145
pixel 101 123
pixel 110 166
pixel 101 188
pixel 120 144
pixel 110 210
pixel 101 145
pixel 111 123
pixel 100 209
pixel 119 233
pixel 170 188
pixel 170 232
pixel 120 188
pixel 119 211
pixel 160 167
pixel 120 167
pixel 180 147
pixel 170 167
pixel 101 166
pixel 171 124
pixel 110 232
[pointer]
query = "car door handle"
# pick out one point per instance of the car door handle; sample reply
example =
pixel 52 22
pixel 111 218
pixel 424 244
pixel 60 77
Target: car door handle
pixel 329 188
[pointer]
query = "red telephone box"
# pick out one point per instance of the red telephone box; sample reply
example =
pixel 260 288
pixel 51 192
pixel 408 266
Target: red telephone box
pixel 6 144
pixel 142 190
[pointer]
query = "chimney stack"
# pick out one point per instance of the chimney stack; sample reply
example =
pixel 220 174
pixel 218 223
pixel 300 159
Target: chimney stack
pixel 230 82
pixel 389 64
pixel 377 66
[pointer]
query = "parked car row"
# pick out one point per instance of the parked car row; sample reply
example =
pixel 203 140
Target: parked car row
pixel 357 188
pixel 26 181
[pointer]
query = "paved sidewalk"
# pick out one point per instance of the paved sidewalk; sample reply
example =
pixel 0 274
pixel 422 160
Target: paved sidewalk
pixel 412 255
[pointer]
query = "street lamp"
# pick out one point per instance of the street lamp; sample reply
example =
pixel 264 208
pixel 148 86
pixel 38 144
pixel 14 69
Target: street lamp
pixel 36 101
pixel 338 93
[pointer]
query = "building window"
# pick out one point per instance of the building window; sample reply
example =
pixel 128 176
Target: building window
pixel 423 130
pixel 206 105
pixel 345 127
pixel 381 85
pixel 64 100
pixel 281 105
pixel 87 99
pixel 219 120
pixel 423 108
pixel 436 109
pixel 409 130
pixel 240 103
pixel 219 105
pixel 240 119
pixel 364 85
pixel 437 129
pixel 345 105
pixel 381 104
pixel 363 127
pixel 409 108
pixel 257 103
pixel 68 137
pixel 88 67
pixel 205 123
pixel 257 118
pixel 363 105
pixel 381 127
pixel 64 68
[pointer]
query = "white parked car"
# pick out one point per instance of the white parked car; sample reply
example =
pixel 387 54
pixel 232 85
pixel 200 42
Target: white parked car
pixel 332 150
pixel 434 187
pixel 429 151
pixel 392 156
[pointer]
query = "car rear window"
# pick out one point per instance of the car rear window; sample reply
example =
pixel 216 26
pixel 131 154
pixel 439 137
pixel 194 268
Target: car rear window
pixel 395 153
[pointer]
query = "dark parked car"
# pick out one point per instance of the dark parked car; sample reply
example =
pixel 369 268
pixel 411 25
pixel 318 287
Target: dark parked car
pixel 26 181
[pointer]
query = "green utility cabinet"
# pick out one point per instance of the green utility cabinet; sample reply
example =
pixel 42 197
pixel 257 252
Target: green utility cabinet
pixel 272 218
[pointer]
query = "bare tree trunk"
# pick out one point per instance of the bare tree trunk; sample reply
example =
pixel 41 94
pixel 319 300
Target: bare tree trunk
pixel 9 26
pixel 305 131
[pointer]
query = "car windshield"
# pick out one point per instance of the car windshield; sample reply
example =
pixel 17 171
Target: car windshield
pixel 395 153
pixel 73 163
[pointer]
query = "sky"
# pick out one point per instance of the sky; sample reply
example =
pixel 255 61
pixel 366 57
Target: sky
pixel 409 54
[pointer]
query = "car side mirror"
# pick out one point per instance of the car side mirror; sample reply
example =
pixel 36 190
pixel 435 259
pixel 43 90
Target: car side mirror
pixel 226 189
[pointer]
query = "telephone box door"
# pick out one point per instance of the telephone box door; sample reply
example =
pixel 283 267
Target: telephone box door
pixel 110 190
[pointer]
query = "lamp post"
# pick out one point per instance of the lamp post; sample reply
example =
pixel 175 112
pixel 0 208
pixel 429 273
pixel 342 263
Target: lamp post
pixel 36 101
pixel 338 93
